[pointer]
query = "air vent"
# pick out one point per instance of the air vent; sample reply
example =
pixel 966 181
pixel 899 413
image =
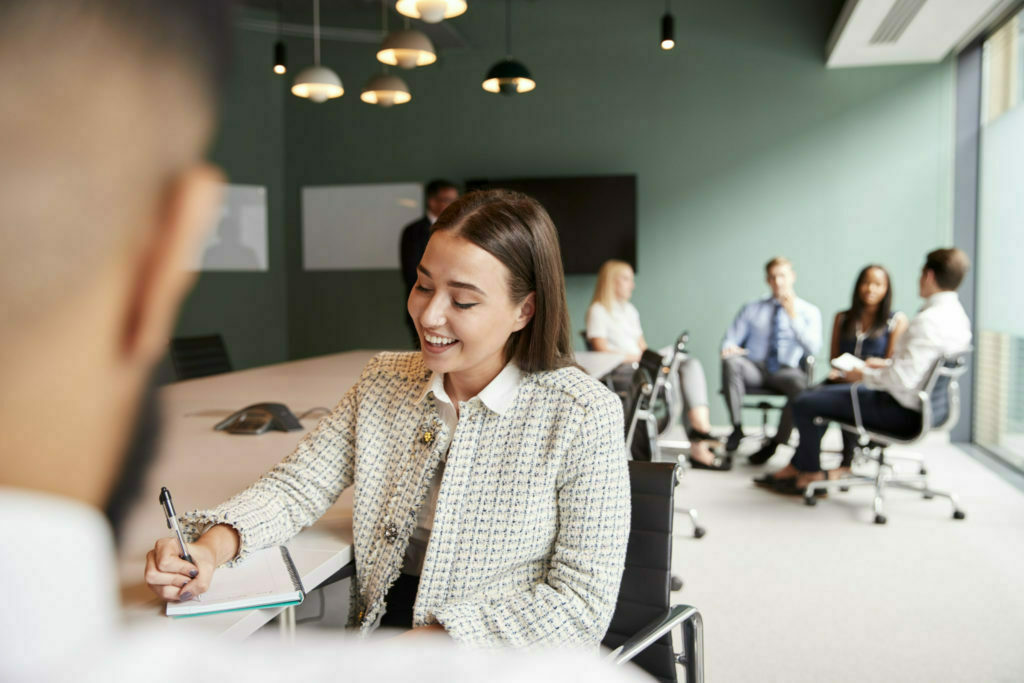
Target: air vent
pixel 896 21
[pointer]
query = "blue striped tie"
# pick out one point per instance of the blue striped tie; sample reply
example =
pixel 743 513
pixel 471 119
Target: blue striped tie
pixel 772 362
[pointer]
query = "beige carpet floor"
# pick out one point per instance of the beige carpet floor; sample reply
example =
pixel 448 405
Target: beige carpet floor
pixel 796 593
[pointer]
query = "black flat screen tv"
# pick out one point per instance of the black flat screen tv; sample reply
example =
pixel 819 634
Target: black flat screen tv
pixel 595 215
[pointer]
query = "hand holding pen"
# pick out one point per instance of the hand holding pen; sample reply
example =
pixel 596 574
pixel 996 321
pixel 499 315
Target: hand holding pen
pixel 177 571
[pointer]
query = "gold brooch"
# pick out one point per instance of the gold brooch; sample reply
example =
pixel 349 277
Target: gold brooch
pixel 428 436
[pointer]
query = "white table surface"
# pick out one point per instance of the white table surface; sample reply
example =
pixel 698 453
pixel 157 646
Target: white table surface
pixel 202 468
pixel 598 363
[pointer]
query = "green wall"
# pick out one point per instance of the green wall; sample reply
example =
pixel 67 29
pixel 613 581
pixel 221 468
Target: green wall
pixel 249 308
pixel 743 144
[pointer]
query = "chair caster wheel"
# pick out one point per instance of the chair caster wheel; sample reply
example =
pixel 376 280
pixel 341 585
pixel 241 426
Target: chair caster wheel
pixel 676 583
pixel 698 532
pixel 811 501
pixel 927 496
pixel 844 489
pixel 959 514
pixel 880 519
pixel 923 472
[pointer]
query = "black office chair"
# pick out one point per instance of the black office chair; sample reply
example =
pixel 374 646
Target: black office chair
pixel 640 424
pixel 642 435
pixel 199 356
pixel 940 410
pixel 755 399
pixel 587 344
pixel 641 628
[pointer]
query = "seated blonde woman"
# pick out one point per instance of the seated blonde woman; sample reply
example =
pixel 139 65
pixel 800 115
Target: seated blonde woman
pixel 613 324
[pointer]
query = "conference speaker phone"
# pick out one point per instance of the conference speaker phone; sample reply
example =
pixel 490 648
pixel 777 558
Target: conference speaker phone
pixel 259 418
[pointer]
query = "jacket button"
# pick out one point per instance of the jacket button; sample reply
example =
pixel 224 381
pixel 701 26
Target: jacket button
pixel 428 436
pixel 391 533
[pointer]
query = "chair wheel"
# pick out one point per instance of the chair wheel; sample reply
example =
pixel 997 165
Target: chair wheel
pixel 927 496
pixel 880 519
pixel 698 532
pixel 959 514
pixel 811 501
pixel 676 583
pixel 844 489
pixel 924 471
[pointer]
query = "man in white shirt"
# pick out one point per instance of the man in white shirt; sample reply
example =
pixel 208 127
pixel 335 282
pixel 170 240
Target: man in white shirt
pixel 887 391
pixel 104 200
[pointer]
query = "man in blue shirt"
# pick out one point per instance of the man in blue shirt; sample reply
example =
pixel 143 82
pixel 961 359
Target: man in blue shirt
pixel 763 348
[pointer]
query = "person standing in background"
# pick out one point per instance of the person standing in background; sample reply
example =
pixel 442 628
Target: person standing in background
pixel 439 194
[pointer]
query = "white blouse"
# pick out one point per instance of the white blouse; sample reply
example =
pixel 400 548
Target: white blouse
pixel 620 326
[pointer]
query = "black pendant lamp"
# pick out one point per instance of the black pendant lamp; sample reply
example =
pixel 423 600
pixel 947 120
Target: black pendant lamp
pixel 668 28
pixel 508 76
pixel 280 58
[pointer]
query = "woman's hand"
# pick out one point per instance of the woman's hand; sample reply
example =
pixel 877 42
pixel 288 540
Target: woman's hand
pixel 428 630
pixel 172 578
pixel 876 363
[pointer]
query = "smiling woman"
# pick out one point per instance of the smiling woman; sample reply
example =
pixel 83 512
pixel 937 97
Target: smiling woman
pixel 491 492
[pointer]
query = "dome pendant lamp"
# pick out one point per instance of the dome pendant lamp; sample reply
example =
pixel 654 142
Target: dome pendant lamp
pixel 508 76
pixel 384 89
pixel 407 49
pixel 668 28
pixel 431 11
pixel 316 82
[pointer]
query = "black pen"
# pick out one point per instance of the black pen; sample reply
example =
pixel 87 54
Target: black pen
pixel 172 522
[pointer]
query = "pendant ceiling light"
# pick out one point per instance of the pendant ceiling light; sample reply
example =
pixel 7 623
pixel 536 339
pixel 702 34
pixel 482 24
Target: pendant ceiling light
pixel 508 76
pixel 280 60
pixel 316 82
pixel 384 89
pixel 407 49
pixel 668 28
pixel 431 11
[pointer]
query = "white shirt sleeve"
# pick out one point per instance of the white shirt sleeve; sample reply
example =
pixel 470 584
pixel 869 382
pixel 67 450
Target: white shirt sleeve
pixel 598 322
pixel 910 363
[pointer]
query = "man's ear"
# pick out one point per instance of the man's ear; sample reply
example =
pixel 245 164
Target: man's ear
pixel 162 276
pixel 526 311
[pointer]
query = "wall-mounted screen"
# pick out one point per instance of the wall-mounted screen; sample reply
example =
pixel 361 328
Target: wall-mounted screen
pixel 239 240
pixel 595 215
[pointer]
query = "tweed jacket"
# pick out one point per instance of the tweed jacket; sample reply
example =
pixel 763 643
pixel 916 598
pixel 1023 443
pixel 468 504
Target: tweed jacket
pixel 532 516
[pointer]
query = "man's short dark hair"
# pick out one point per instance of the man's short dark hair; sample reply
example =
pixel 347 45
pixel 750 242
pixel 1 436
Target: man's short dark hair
pixel 435 186
pixel 949 266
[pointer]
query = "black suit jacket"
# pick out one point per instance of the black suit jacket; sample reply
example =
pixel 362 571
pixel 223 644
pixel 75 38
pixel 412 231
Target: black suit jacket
pixel 414 243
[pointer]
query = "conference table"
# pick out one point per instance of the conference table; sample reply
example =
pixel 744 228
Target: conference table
pixel 202 467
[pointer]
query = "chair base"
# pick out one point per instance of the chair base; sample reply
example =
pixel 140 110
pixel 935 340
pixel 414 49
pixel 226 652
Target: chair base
pixel 884 478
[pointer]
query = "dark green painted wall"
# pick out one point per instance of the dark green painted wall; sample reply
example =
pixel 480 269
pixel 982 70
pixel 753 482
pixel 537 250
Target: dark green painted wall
pixel 744 145
pixel 249 308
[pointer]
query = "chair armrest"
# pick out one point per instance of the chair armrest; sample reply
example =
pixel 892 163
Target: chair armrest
pixel 676 614
pixel 808 363
pixel 857 420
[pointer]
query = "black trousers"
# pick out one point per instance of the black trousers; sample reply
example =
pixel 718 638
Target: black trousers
pixel 879 410
pixel 400 601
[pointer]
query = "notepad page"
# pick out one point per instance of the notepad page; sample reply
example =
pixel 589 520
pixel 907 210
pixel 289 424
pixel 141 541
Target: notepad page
pixel 262 578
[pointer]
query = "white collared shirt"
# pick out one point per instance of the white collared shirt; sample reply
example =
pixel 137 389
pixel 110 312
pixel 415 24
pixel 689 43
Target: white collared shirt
pixel 940 327
pixel 497 396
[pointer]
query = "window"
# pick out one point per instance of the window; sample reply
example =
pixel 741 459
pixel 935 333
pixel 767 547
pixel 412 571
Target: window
pixel 999 384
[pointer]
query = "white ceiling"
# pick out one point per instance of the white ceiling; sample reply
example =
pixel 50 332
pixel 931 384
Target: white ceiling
pixel 879 32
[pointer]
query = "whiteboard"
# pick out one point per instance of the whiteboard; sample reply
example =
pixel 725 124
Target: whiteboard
pixel 239 240
pixel 357 227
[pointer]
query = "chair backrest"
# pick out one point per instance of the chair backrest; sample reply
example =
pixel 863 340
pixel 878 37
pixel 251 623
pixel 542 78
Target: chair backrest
pixel 646 580
pixel 586 341
pixel 199 356
pixel 639 402
pixel 940 398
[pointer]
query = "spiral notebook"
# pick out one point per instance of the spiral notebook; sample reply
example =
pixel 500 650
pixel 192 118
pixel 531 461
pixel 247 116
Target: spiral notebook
pixel 266 578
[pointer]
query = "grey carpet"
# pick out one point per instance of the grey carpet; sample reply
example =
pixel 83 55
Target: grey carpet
pixel 796 593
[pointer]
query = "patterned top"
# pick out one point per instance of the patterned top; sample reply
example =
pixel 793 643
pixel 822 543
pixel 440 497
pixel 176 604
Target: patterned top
pixel 532 517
